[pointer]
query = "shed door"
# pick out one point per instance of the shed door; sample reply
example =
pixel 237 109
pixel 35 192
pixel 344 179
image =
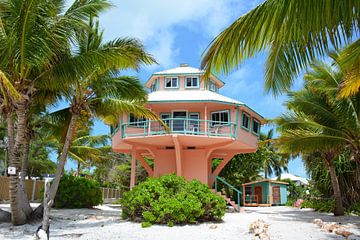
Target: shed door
pixel 258 193
pixel 276 195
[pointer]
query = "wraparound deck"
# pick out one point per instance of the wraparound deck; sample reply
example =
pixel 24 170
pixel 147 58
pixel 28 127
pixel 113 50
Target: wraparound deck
pixel 182 126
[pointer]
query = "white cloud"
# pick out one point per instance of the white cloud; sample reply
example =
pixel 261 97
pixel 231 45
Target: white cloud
pixel 153 22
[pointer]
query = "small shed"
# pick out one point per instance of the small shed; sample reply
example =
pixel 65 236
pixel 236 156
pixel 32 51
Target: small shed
pixel 264 193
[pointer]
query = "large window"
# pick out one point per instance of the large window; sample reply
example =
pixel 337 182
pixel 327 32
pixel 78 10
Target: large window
pixel 256 127
pixel 245 120
pixel 194 122
pixel 166 118
pixel 192 82
pixel 220 117
pixel 171 82
pixel 136 121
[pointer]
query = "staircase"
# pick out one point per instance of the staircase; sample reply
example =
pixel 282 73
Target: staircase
pixel 235 205
pixel 228 200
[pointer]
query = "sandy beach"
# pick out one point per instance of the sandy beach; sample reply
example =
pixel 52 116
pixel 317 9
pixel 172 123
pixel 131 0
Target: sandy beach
pixel 104 222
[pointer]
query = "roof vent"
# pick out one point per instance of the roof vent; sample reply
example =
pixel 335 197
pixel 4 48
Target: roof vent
pixel 184 65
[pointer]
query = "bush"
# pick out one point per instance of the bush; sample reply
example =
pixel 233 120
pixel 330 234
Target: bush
pixel 355 208
pixel 77 192
pixel 320 205
pixel 171 200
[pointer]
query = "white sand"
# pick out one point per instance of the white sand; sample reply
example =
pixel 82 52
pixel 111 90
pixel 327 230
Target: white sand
pixel 104 223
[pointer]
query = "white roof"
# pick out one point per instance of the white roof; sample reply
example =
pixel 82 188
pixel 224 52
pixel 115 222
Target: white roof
pixel 181 70
pixel 189 95
pixel 292 177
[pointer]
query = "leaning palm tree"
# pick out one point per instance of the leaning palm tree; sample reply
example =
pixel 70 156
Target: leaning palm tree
pixel 294 33
pixel 34 36
pixel 101 93
pixel 317 121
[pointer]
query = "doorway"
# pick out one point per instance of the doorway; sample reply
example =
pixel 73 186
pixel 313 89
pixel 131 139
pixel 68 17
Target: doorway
pixel 258 194
pixel 178 125
pixel 276 195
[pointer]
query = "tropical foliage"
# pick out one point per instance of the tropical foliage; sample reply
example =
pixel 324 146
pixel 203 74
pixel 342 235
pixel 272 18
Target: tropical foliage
pixel 319 122
pixel 294 33
pixel 49 52
pixel 265 162
pixel 171 200
pixel 78 192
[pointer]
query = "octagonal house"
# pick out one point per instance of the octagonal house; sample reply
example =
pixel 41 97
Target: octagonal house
pixel 203 125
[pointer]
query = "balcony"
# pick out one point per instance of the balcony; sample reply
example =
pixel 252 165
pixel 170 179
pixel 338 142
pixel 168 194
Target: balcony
pixel 184 126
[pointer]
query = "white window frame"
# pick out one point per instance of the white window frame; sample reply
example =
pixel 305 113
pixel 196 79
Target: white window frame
pixel 192 77
pixel 221 122
pixel 136 123
pixel 242 121
pixel 171 78
pixel 258 129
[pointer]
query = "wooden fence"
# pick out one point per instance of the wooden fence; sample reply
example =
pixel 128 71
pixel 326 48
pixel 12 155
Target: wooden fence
pixel 110 193
pixel 32 188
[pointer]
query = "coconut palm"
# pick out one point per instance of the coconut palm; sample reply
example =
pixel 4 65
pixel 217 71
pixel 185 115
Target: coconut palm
pixel 101 93
pixel 317 121
pixel 34 36
pixel 294 33
pixel 272 161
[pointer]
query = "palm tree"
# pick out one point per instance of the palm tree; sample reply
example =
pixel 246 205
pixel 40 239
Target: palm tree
pixel 34 37
pixel 294 33
pixel 272 161
pixel 101 93
pixel 318 121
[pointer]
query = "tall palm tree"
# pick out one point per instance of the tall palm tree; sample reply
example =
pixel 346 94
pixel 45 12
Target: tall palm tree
pixel 34 36
pixel 101 93
pixel 294 33
pixel 318 121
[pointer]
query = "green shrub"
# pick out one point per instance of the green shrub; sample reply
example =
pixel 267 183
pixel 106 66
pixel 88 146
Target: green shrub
pixel 77 192
pixel 171 200
pixel 291 202
pixel 320 205
pixel 355 208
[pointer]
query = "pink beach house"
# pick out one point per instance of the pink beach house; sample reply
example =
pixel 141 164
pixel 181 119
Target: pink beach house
pixel 203 125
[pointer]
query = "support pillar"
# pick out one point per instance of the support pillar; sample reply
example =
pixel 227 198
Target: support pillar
pixel 133 167
pixel 177 155
pixel 221 166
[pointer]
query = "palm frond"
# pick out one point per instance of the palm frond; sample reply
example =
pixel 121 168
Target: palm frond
pixel 295 32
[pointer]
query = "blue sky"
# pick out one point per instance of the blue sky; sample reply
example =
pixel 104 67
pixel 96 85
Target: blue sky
pixel 177 32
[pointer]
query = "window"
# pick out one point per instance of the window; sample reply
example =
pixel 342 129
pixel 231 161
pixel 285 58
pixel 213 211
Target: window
pixel 191 82
pixel 171 82
pixel 136 121
pixel 154 86
pixel 212 86
pixel 166 118
pixel 245 120
pixel 248 190
pixel 256 126
pixel 194 122
pixel 220 118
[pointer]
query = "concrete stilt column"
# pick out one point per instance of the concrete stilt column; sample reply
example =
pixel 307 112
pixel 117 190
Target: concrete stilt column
pixel 133 168
pixel 178 155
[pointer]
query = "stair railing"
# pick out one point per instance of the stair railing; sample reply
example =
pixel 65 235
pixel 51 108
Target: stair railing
pixel 238 192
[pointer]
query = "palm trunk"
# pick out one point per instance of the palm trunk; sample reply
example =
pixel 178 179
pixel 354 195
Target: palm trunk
pixel 19 205
pixel 25 156
pixel 63 156
pixel 38 212
pixel 339 209
pixel 78 169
